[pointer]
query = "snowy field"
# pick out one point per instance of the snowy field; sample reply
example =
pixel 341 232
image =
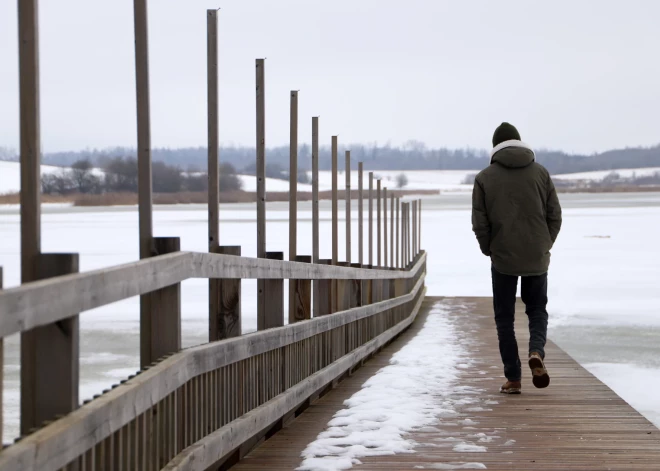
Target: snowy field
pixel 604 280
pixel 599 175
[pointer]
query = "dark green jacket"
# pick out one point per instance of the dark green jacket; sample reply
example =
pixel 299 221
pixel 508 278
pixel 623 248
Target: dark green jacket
pixel 516 214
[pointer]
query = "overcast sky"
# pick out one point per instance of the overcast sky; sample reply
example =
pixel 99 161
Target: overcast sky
pixel 579 76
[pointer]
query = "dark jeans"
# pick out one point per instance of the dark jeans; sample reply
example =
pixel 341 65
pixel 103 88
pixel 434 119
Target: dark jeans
pixel 534 291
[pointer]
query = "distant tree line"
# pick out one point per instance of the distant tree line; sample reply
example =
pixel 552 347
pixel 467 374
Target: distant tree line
pixel 411 156
pixel 120 175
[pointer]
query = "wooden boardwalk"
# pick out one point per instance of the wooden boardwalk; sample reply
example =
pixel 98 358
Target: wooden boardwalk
pixel 578 423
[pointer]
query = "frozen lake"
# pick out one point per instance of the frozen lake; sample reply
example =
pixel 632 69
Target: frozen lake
pixel 604 278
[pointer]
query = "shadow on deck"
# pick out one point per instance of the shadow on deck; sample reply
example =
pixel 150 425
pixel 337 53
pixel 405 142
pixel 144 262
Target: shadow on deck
pixel 578 423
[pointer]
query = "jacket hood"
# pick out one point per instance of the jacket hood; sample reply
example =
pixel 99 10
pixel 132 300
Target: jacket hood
pixel 512 154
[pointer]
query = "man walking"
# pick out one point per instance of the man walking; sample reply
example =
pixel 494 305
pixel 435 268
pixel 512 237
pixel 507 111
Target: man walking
pixel 516 217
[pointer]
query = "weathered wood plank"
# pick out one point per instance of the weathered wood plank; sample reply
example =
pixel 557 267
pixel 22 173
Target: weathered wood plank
pixel 213 142
pixel 360 215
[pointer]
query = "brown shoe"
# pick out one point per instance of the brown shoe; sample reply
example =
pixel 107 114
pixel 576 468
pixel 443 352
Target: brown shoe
pixel 511 387
pixel 540 376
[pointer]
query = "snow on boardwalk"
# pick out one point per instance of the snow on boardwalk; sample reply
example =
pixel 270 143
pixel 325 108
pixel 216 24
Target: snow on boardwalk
pixel 430 401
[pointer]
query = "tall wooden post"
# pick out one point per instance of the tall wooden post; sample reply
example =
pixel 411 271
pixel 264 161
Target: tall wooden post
pixel 385 227
pixel 30 141
pixel 398 207
pixel 414 229
pixel 261 180
pixel 371 219
pixel 315 207
pixel 325 297
pixel 215 298
pixel 378 235
pixel 360 217
pixel 50 356
pixel 226 321
pixel 293 191
pixel 419 230
pixel 144 167
pixel 348 206
pixel 335 220
pixel 392 259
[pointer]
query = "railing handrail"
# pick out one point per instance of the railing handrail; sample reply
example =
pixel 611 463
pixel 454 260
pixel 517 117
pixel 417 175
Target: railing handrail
pixel 87 426
pixel 41 302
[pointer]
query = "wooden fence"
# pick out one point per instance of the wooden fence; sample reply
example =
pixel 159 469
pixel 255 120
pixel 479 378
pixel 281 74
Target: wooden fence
pixel 203 407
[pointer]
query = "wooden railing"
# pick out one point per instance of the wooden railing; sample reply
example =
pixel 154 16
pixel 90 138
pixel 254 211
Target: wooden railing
pixel 201 407
pixel 196 408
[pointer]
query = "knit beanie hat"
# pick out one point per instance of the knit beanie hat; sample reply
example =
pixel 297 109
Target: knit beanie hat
pixel 505 132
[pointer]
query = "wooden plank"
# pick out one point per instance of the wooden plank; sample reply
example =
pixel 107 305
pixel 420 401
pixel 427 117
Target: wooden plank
pixel 293 191
pixel 302 307
pixel 355 287
pixel 39 303
pixel 360 216
pixel 49 357
pixel 589 429
pixel 347 171
pixel 226 321
pixel 273 314
pixel 205 453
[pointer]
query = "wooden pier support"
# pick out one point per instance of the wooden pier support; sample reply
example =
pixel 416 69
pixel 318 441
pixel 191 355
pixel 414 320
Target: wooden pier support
pixel 273 314
pixel 225 321
pixel 302 291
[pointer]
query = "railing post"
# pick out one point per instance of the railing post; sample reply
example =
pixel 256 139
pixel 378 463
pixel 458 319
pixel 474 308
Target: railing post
pixel 392 259
pixel 261 181
pixel 347 170
pixel 356 289
pixel 302 291
pixel 293 191
pixel 315 206
pixel 50 356
pixel 360 217
pixel 325 303
pixel 419 223
pixel 398 260
pixel 273 314
pixel 335 222
pixel 385 264
pixel 378 236
pixel 371 220
pixel 213 138
pixel 225 321
pixel 165 305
